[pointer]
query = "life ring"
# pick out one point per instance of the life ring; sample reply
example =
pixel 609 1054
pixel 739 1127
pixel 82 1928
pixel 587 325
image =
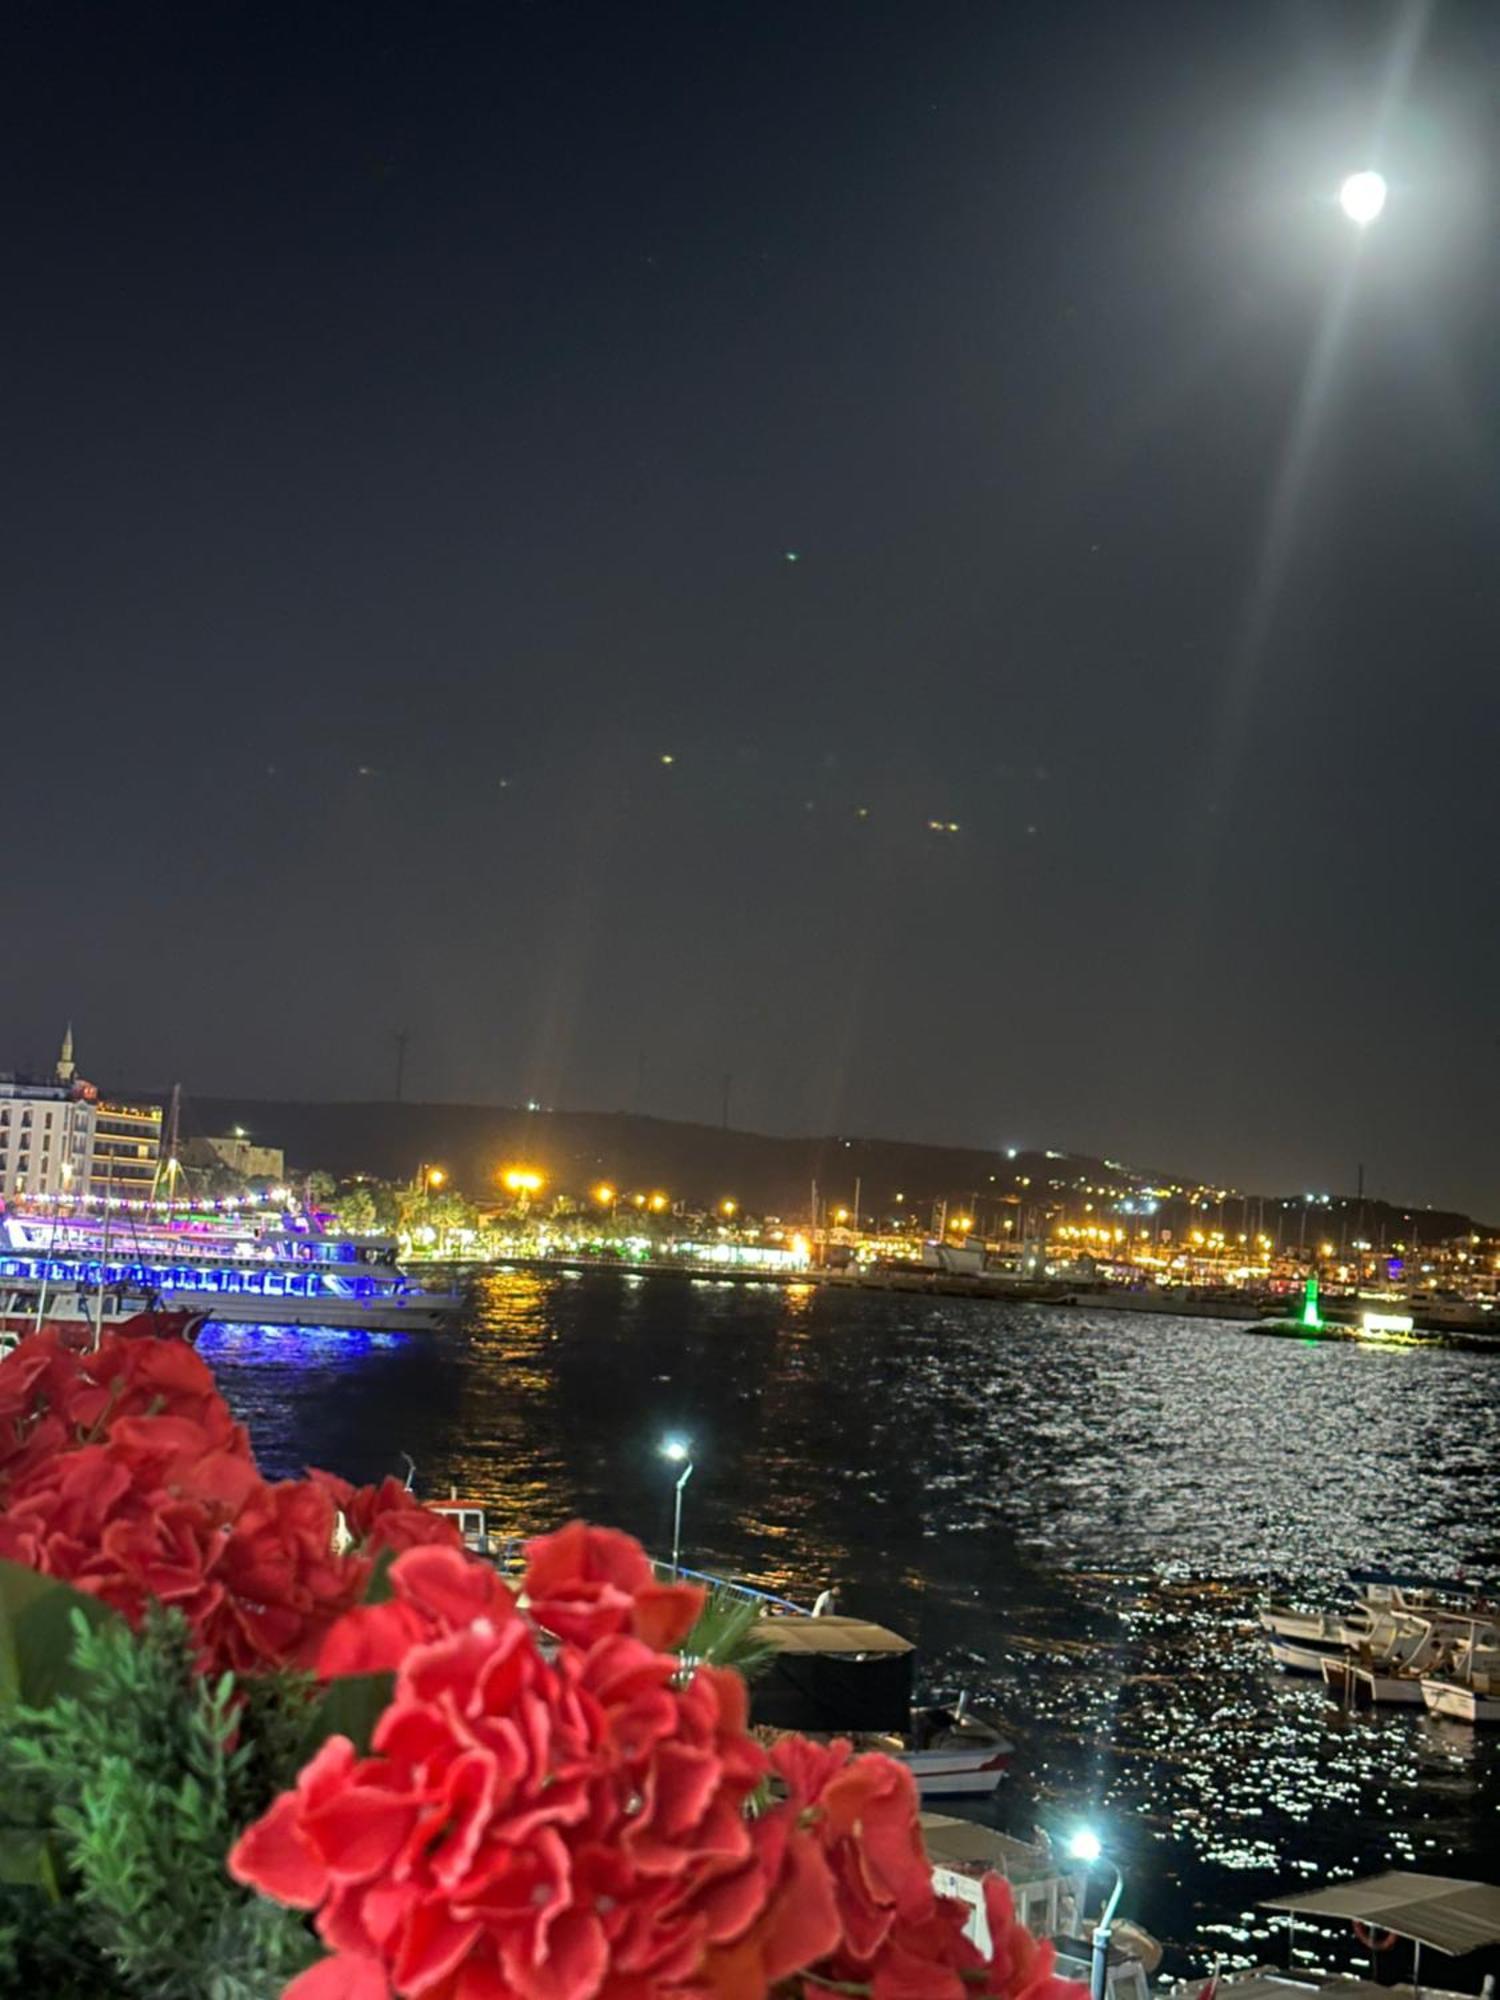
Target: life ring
pixel 1373 1940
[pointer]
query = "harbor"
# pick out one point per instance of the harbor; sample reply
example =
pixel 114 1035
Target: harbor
pixel 1075 1518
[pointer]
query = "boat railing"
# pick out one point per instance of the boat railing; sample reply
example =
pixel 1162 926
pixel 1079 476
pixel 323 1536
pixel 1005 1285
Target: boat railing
pixel 772 1605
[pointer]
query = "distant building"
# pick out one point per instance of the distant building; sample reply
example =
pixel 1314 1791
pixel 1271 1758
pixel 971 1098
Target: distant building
pixel 60 1136
pixel 46 1132
pixel 126 1155
pixel 46 1140
pixel 236 1154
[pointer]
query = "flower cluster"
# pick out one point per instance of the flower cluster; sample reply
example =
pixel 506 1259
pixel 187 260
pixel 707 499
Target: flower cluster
pixel 123 1473
pixel 554 1808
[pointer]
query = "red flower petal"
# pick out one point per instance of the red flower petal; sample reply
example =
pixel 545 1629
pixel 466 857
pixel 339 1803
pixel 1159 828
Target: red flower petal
pixel 341 1978
pixel 274 1857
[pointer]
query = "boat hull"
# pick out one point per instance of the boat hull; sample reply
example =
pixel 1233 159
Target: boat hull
pixel 1460 1703
pixel 956 1774
pixel 362 1315
pixel 1295 1659
pixel 77 1330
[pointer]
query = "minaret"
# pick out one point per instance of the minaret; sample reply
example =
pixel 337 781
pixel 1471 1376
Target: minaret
pixel 67 1069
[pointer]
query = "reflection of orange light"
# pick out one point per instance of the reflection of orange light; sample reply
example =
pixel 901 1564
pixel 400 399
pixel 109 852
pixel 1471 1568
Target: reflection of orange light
pixel 522 1180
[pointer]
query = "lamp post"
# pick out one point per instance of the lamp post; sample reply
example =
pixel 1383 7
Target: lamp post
pixel 1085 1847
pixel 677 1451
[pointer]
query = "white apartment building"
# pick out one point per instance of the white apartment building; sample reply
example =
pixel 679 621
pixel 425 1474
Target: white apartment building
pixel 46 1139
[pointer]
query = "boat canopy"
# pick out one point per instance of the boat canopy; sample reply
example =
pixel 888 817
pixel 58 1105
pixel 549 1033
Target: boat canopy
pixel 832 1675
pixel 1451 1916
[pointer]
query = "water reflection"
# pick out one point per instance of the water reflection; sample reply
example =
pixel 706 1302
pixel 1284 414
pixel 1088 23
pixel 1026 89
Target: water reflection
pixel 1073 1514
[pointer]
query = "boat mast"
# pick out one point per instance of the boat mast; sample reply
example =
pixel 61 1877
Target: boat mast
pixel 174 1115
pixel 109 1187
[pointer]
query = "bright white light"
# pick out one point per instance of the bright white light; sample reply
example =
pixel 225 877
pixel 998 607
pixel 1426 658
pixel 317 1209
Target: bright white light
pixel 1084 1846
pixel 674 1448
pixel 1362 197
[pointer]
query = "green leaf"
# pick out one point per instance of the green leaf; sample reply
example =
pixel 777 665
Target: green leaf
pixel 351 1706
pixel 379 1589
pixel 24 1859
pixel 36 1634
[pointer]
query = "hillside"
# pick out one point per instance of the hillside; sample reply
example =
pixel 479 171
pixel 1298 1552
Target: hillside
pixel 699 1163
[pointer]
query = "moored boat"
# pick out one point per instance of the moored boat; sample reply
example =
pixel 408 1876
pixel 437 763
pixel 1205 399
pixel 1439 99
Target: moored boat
pixel 82 1317
pixel 290 1272
pixel 1475 1700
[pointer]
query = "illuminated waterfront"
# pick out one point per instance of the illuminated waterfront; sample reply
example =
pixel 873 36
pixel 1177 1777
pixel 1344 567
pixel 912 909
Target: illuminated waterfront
pixel 1073 1514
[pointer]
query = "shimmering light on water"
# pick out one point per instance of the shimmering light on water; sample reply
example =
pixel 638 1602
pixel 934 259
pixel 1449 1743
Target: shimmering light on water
pixel 1073 1514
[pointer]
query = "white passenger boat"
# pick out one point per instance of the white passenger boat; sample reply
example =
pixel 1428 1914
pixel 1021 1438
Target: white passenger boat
pixel 285 1270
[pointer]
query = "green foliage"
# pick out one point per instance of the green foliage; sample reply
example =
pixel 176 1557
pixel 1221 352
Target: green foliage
pixel 36 1615
pixel 726 1634
pixel 121 1798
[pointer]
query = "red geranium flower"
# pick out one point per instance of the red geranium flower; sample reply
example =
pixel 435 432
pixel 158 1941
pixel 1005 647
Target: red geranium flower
pixel 526 1829
pixel 583 1583
pixel 52 1398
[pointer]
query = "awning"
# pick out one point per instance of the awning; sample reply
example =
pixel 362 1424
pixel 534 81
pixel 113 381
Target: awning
pixel 1436 1910
pixel 832 1634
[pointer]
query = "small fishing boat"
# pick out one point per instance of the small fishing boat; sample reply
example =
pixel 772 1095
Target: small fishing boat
pixel 1293 1658
pixel 830 1675
pixel 1476 1700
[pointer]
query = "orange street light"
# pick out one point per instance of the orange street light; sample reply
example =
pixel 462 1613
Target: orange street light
pixel 658 1203
pixel 522 1180
pixel 435 1177
pixel 728 1207
pixel 604 1194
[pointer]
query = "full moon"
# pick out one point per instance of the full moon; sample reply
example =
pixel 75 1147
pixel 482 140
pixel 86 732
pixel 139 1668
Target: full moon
pixel 1362 197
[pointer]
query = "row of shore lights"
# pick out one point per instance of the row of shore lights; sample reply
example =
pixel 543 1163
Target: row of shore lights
pixel 524 1182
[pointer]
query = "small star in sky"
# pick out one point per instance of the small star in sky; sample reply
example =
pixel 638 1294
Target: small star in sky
pixel 793 556
pixel 667 757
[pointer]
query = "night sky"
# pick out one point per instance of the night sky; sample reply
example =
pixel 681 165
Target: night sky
pixel 422 422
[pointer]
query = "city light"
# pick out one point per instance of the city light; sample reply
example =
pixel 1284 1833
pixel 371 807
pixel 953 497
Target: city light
pixel 658 1203
pixel 435 1177
pixel 962 1224
pixel 522 1180
pixel 728 1207
pixel 1362 197
pixel 604 1194
pixel 675 1448
pixel 1085 1845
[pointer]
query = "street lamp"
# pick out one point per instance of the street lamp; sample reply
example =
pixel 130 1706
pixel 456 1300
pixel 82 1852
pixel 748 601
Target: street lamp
pixel 679 1452
pixel 1085 1847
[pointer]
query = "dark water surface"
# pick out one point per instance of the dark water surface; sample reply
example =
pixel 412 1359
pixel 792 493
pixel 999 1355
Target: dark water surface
pixel 1072 1513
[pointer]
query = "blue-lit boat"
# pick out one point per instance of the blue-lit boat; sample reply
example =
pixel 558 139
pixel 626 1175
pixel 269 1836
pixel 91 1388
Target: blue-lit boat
pixel 286 1270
